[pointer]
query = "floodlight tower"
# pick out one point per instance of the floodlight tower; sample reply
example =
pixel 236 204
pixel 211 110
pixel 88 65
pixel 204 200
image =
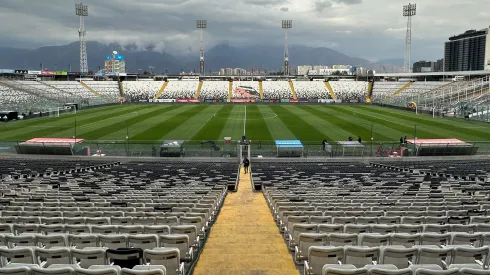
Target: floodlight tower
pixel 286 25
pixel 409 11
pixel 201 25
pixel 82 11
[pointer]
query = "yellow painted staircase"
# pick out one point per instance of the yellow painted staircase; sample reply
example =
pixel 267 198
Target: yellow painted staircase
pixel 121 89
pixel 330 90
pixel 160 92
pixel 406 86
pixel 90 89
pixel 245 239
pixel 230 90
pixel 291 85
pixel 261 90
pixel 198 91
pixel 369 92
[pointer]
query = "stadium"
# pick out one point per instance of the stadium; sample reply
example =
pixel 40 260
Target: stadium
pixel 113 173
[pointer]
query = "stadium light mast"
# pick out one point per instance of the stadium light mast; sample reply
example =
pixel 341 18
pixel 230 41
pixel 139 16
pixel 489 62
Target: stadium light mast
pixel 408 11
pixel 82 12
pixel 286 25
pixel 201 25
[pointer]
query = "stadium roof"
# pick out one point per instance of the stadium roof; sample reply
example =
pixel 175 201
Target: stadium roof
pixel 433 74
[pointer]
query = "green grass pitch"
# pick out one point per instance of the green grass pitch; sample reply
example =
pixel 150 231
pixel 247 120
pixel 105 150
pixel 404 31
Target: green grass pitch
pixel 308 123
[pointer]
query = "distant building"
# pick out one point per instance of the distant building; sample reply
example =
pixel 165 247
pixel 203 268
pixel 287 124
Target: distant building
pixel 427 66
pixel 115 64
pixel 469 51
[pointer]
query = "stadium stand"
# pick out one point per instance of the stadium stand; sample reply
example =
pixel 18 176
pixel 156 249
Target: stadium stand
pixel 180 89
pixel 214 90
pixel 311 90
pixel 141 90
pixel 350 91
pixel 276 89
pixel 85 215
pixel 364 217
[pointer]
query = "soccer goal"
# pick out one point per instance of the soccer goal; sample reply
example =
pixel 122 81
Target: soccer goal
pixel 54 112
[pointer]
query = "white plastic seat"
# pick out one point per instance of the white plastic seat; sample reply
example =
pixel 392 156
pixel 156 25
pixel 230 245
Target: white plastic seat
pixel 121 220
pixel 19 256
pixel 469 257
pixel 305 241
pixel 318 256
pixel 48 241
pixel 330 228
pixel 297 229
pixel 131 229
pixel 81 241
pixel 405 239
pixel 437 228
pixel 126 271
pixel 338 270
pixel 59 256
pixel 374 239
pixel 77 229
pixel 383 228
pixel 474 239
pixel 179 241
pixel 104 229
pixel 156 229
pixel 366 220
pixel 143 241
pixel 291 220
pixel 48 229
pixel 168 257
pixel 113 241
pixel 321 220
pixel 410 228
pixel 189 230
pixel 400 257
pixel 361 256
pixel 52 271
pixel 22 240
pixel 471 271
pixel 380 271
pixel 435 239
pixel 342 239
pixel 89 257
pixel 432 258
pixel 422 271
pixel 20 270
pixel 105 271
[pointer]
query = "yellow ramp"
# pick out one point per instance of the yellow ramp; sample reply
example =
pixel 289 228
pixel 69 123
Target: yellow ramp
pixel 406 86
pixel 121 89
pixel 160 92
pixel 198 91
pixel 230 90
pixel 90 89
pixel 261 90
pixel 330 90
pixel 291 85
pixel 245 240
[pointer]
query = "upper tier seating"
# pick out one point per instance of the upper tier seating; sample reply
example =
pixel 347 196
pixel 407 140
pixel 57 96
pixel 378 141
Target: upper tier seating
pixel 276 89
pixel 141 90
pixel 311 90
pixel 180 89
pixel 350 91
pixel 214 90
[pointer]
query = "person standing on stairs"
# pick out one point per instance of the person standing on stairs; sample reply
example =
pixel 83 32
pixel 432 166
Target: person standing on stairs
pixel 246 164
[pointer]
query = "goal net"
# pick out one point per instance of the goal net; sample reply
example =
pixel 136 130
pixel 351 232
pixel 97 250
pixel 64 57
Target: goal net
pixel 70 109
pixel 54 112
pixel 67 109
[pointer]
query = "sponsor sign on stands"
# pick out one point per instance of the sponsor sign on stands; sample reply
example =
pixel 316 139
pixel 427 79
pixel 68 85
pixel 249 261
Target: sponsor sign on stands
pixel 327 100
pixel 293 100
pixel 284 100
pixel 243 100
pixel 74 73
pixel 188 100
pixel 47 73
pixel 60 73
pixel 34 72
pixel 21 71
pixel 7 71
pixel 303 100
pixel 164 100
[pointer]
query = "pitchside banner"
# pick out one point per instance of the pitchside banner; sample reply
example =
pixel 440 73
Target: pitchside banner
pixel 243 100
pixel 325 100
pixel 165 100
pixel 187 100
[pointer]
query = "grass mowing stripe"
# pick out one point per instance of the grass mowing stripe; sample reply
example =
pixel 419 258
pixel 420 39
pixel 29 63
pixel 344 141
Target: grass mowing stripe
pixel 187 130
pixel 422 132
pixel 299 127
pixel 35 121
pixel 430 122
pixel 256 128
pixel 161 129
pixel 355 129
pixel 275 125
pixel 104 129
pixel 405 130
pixel 51 130
pixel 213 128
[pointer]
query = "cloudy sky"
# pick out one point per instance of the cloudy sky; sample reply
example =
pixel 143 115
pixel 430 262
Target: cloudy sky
pixel 372 29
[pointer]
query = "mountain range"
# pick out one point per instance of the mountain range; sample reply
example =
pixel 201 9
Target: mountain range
pixel 61 58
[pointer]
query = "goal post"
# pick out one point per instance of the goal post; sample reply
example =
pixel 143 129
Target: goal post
pixel 54 112
pixel 70 109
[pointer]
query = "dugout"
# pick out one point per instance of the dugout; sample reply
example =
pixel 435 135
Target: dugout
pixel 289 148
pixel 11 115
pixel 172 149
pixel 350 148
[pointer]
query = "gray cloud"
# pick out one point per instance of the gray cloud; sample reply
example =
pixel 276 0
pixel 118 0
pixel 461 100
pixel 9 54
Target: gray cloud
pixel 373 31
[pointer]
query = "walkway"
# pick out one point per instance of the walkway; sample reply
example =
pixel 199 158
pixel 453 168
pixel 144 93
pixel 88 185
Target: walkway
pixel 245 240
